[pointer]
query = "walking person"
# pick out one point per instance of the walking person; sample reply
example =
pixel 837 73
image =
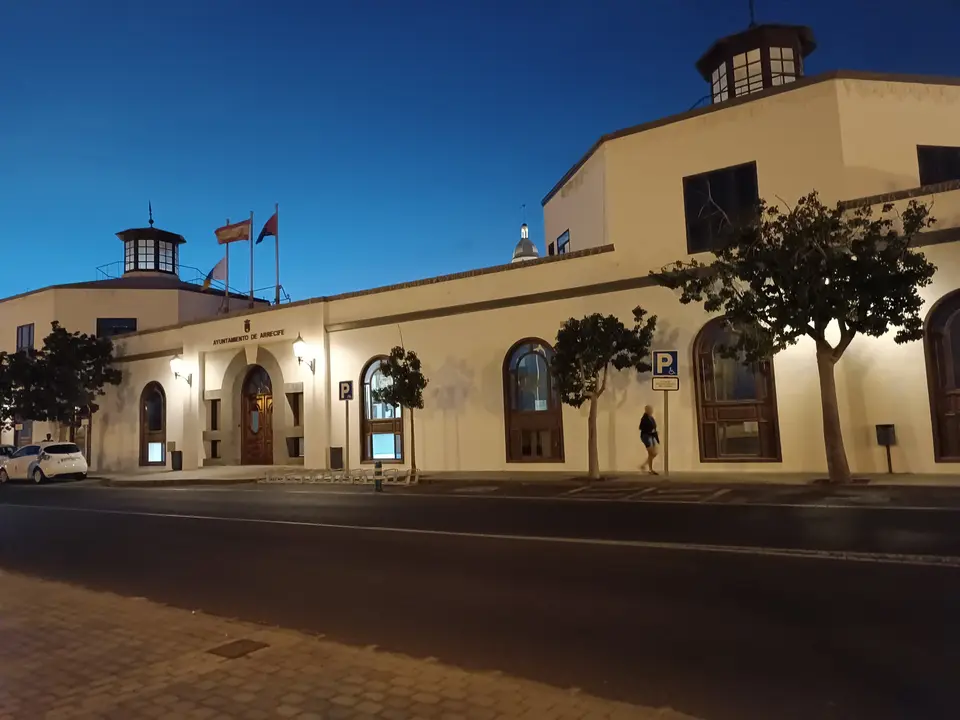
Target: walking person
pixel 650 438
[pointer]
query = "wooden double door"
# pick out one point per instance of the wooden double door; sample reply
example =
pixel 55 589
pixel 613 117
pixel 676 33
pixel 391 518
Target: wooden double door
pixel 256 419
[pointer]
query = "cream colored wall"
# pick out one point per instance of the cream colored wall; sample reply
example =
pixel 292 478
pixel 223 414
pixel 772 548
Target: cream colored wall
pixel 462 424
pixel 882 382
pixel 218 370
pixel 524 280
pixel 37 308
pixel 881 125
pixel 78 309
pixel 579 207
pixel 116 429
pixel 794 137
pixel 193 306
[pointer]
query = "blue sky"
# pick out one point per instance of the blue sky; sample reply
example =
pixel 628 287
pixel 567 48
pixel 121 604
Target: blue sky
pixel 400 138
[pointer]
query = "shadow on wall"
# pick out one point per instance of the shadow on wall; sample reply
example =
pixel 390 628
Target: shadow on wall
pixel 448 394
pixel 119 429
pixel 861 181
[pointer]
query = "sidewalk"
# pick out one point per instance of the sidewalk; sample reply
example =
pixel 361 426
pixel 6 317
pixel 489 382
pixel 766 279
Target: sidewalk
pixel 67 652
pixel 226 475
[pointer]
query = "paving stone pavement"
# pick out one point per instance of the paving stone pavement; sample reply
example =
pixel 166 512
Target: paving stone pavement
pixel 68 652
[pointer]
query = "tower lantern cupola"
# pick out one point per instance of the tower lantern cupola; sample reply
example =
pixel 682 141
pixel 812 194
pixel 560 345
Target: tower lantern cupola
pixel 760 57
pixel 151 250
pixel 525 249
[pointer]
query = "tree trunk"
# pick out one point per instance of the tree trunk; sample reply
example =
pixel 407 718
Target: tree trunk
pixel 594 460
pixel 837 466
pixel 413 446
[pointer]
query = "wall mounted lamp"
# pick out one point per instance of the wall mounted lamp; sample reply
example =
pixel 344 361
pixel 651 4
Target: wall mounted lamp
pixel 304 354
pixel 178 366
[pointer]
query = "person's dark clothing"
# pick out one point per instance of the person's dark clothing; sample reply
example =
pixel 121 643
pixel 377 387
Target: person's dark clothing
pixel 648 430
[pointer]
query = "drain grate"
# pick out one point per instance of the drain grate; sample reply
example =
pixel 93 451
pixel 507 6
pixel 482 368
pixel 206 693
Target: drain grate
pixel 237 649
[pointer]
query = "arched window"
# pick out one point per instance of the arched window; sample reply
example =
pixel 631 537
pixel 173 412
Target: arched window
pixel 736 402
pixel 381 426
pixel 942 345
pixel 153 425
pixel 533 415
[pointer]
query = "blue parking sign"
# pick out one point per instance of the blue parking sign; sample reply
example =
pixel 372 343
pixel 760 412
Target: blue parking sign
pixel 665 363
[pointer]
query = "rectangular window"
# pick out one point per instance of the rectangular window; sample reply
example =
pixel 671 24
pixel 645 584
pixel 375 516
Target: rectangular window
pixel 295 447
pixel 25 337
pixel 146 255
pixel 563 243
pixel 550 249
pixel 129 256
pixel 108 327
pixel 166 254
pixel 215 448
pixel 938 164
pixel 783 67
pixel 747 73
pixel 716 201
pixel 718 83
pixel 214 414
pixel 295 402
pixel 156 453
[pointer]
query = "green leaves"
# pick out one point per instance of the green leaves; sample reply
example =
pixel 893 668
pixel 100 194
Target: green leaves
pixel 587 347
pixel 792 272
pixel 407 384
pixel 57 381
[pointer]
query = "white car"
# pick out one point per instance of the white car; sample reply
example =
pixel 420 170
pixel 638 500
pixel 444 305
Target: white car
pixel 44 461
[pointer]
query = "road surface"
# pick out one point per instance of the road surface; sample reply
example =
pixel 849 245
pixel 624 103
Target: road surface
pixel 723 612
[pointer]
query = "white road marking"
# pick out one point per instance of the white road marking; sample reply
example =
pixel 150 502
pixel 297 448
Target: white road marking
pixel 718 494
pixel 565 497
pixel 949 561
pixel 640 494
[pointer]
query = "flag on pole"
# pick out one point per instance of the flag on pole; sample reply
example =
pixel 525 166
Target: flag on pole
pixel 269 228
pixel 219 272
pixel 233 233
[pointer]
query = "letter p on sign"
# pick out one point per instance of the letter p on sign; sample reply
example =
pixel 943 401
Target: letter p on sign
pixel 664 363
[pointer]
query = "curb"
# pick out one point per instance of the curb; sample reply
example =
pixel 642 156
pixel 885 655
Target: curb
pixel 175 483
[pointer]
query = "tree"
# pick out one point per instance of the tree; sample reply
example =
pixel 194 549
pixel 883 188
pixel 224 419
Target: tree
pixel 406 386
pixel 20 377
pixel 796 272
pixel 71 370
pixel 584 352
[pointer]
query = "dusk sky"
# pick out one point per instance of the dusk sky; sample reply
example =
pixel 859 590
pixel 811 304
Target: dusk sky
pixel 400 138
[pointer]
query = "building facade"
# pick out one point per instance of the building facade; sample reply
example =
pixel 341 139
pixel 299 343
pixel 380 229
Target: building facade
pixel 239 389
pixel 147 292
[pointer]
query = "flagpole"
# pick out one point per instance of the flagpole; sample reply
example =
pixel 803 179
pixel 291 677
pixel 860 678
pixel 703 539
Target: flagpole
pixel 251 258
pixel 276 247
pixel 226 283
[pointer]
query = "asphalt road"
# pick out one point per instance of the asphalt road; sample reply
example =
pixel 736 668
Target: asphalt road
pixel 640 602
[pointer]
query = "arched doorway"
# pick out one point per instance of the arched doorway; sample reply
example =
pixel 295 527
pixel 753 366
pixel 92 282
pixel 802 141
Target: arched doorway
pixel 153 425
pixel 381 425
pixel 256 418
pixel 533 415
pixel 736 402
pixel 942 345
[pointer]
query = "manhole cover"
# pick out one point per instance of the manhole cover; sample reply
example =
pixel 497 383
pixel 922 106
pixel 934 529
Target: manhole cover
pixel 237 649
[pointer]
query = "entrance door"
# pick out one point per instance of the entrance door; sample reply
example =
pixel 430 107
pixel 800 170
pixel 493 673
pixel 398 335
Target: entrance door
pixel 257 419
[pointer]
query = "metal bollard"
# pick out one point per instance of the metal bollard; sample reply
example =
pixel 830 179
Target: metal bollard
pixel 378 476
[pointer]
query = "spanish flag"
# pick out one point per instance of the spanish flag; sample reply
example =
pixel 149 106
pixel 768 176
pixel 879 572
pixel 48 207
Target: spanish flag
pixel 233 233
pixel 219 272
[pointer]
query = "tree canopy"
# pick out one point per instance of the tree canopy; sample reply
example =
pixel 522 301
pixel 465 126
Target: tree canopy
pixel 587 347
pixel 60 380
pixel 407 383
pixel 795 272
pixel 791 272
pixel 585 350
